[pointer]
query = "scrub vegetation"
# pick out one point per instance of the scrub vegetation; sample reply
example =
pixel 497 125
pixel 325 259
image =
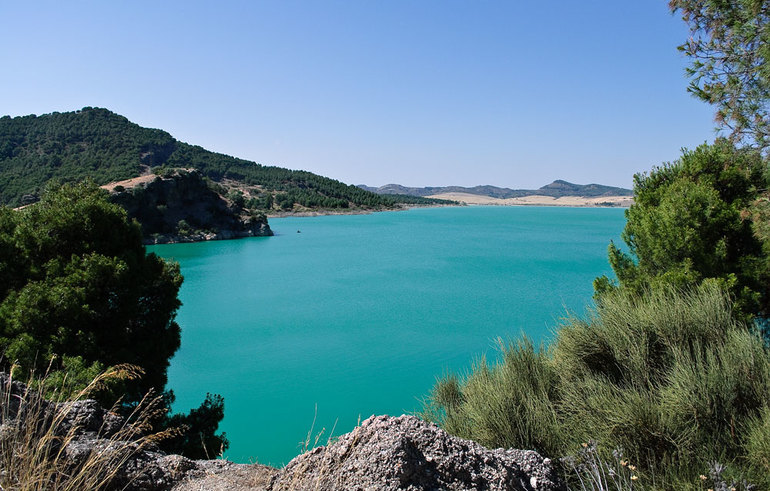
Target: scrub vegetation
pixel 42 426
pixel 665 382
pixel 670 379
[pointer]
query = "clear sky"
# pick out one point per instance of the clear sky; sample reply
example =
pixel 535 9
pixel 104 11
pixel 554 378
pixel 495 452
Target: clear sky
pixel 416 92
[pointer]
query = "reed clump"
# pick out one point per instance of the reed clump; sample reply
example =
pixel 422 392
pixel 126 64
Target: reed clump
pixel 669 378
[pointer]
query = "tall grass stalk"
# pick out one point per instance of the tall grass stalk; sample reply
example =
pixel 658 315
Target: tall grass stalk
pixel 41 440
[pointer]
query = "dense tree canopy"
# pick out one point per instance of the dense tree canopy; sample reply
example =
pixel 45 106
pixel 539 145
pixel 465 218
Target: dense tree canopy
pixel 75 281
pixel 730 51
pixel 77 286
pixel 69 147
pixel 98 144
pixel 691 221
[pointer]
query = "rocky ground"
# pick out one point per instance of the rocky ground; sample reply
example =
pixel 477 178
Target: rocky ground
pixel 383 453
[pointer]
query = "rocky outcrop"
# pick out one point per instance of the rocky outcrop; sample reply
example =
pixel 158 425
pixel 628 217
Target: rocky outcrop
pixel 406 453
pixel 383 453
pixel 386 453
pixel 181 207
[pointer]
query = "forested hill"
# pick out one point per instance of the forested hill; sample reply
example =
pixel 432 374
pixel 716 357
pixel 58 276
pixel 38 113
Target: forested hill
pixel 556 189
pixel 99 144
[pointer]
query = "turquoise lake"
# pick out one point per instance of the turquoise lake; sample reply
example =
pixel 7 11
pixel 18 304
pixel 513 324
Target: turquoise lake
pixel 359 314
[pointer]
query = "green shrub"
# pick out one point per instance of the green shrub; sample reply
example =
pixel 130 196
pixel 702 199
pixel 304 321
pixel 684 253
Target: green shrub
pixel 669 377
pixel 79 292
pixel 505 405
pixel 758 442
pixel 690 222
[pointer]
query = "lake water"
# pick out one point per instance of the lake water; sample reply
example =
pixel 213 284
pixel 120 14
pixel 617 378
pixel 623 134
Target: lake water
pixel 358 315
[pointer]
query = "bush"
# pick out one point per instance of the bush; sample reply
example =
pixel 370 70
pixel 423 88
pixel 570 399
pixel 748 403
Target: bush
pixel 690 222
pixel 758 442
pixel 76 281
pixel 509 404
pixel 670 377
pixel 78 287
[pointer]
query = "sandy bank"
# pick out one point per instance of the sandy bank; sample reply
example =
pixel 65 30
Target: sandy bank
pixel 536 200
pixel 347 211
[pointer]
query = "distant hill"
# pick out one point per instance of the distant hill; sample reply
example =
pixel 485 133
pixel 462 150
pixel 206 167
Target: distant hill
pixel 106 147
pixel 556 189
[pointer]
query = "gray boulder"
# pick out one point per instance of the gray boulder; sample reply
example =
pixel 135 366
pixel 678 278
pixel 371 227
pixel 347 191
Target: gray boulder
pixel 406 453
pixel 383 453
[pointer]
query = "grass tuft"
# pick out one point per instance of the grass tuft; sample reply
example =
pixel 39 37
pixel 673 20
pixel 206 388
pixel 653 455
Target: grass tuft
pixel 42 443
pixel 670 377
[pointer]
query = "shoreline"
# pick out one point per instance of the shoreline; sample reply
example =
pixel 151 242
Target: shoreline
pixel 563 202
pixel 541 200
pixel 319 213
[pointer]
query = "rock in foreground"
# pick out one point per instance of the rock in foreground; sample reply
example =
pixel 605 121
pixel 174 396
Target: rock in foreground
pixel 384 453
pixel 403 453
pixel 408 453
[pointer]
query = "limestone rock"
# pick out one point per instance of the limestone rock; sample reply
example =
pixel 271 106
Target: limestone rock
pixel 383 453
pixel 406 453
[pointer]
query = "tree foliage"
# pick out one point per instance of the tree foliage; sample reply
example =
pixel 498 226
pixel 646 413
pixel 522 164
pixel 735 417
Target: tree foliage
pixel 77 286
pixel 69 147
pixel 77 282
pixel 198 440
pixel 730 51
pixel 670 378
pixel 98 144
pixel 691 221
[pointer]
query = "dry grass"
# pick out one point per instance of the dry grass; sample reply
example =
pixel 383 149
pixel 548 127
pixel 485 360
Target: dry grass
pixel 300 472
pixel 39 439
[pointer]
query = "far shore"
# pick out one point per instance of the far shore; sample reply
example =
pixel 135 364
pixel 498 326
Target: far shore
pixel 466 199
pixel 319 213
pixel 348 211
pixel 539 200
pixel 462 198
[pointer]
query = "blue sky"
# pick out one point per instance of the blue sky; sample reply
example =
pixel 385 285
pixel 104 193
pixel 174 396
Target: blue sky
pixel 442 92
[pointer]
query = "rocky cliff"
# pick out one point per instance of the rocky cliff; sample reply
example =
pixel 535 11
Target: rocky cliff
pixel 181 207
pixel 383 453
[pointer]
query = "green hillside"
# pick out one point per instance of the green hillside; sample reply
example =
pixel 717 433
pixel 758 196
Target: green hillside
pixel 104 146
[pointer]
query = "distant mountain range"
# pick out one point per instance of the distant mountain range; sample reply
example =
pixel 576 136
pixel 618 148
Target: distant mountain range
pixel 556 189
